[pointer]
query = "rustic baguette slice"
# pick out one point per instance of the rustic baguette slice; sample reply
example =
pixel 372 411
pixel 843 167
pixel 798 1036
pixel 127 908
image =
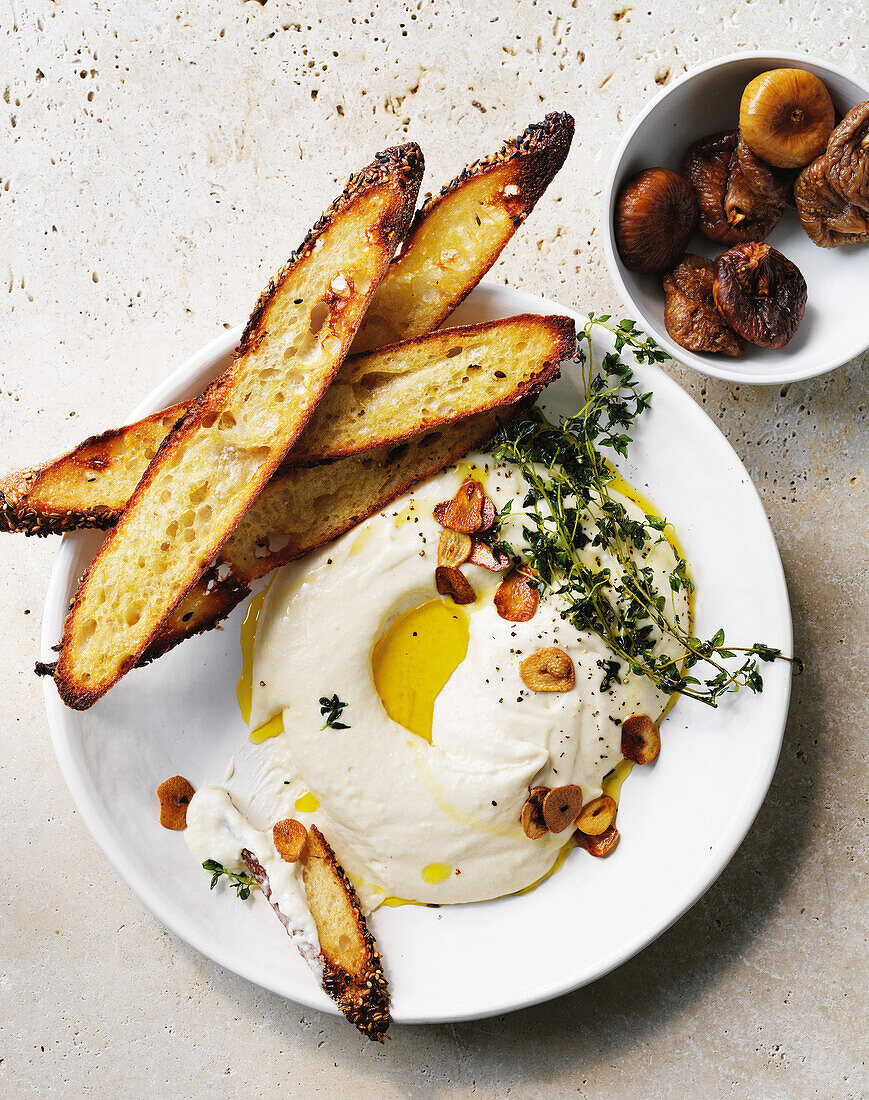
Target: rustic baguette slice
pixel 472 217
pixel 215 462
pixel 382 397
pixel 457 235
pixel 90 485
pixel 352 970
pixel 304 508
pixel 403 389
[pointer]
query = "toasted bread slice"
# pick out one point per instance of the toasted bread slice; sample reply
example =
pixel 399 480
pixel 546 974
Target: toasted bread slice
pixel 457 235
pixel 404 389
pixel 301 509
pixel 90 486
pixel 215 462
pixel 352 970
pixel 379 398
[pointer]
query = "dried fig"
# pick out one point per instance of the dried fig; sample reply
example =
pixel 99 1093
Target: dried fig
pixel 451 581
pixel 847 156
pixel 549 669
pixel 561 807
pixel 690 314
pixel 641 741
pixel 760 293
pixel 515 599
pixel 773 184
pixel 708 165
pixel 786 116
pixel 824 214
pixel 656 214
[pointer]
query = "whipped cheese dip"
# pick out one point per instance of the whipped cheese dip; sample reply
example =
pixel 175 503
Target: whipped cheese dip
pixel 427 808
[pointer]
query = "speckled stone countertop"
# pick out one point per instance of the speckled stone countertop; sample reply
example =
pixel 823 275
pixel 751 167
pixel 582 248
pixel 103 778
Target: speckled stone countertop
pixel 158 163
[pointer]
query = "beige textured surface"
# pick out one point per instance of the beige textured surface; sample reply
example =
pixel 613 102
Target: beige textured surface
pixel 159 161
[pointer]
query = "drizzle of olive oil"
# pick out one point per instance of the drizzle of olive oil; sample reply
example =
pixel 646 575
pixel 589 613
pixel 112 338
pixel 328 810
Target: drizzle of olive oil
pixel 413 660
pixel 306 802
pixel 612 783
pixel 244 688
pixel 433 873
pixel 361 541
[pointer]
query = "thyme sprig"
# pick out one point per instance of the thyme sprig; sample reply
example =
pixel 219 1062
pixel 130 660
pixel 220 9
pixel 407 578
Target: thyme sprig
pixel 332 708
pixel 569 508
pixel 239 882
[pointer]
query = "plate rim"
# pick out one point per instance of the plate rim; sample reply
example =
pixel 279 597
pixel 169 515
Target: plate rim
pixel 125 867
pixel 705 365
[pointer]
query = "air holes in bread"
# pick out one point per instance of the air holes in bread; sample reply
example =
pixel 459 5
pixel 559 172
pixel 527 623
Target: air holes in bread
pixel 454 351
pixel 318 316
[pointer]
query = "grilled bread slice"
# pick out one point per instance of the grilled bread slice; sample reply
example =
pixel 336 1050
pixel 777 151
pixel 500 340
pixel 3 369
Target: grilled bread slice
pixel 457 235
pixel 352 970
pixel 378 398
pixel 215 462
pixel 303 508
pixel 474 217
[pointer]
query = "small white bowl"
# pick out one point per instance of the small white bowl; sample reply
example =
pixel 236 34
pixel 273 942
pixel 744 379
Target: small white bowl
pixel 705 100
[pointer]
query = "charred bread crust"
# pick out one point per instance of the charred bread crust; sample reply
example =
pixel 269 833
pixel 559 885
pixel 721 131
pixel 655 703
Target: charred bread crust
pixel 406 160
pixel 362 997
pixel 401 164
pixel 18 513
pixel 540 151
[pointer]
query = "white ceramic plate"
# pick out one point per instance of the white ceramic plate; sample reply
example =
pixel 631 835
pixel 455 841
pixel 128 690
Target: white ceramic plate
pixel 180 716
pixel 835 327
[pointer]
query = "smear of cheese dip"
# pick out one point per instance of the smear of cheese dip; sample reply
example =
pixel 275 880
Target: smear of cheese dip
pixel 432 820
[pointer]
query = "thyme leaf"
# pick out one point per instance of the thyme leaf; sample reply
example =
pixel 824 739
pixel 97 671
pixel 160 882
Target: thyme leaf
pixel 569 507
pixel 240 883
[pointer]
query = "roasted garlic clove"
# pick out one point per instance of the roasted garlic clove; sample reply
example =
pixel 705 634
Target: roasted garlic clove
pixel 561 807
pixel 656 213
pixel 290 837
pixel 484 555
pixel 759 293
pixel 515 599
pixel 174 795
pixel 469 511
pixel 599 846
pixel 597 816
pixel 847 156
pixel 641 741
pixel 549 669
pixel 531 817
pixel 454 548
pixel 451 581
pixel 690 314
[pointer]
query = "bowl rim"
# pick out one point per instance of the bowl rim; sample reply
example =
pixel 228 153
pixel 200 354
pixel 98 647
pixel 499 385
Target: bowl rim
pixel 704 364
